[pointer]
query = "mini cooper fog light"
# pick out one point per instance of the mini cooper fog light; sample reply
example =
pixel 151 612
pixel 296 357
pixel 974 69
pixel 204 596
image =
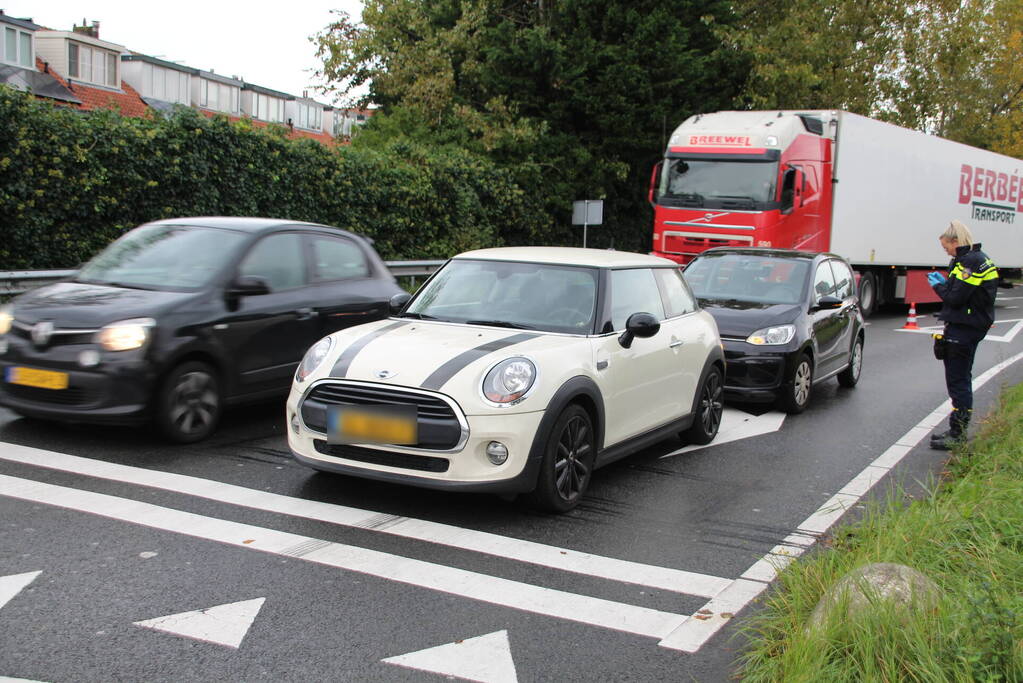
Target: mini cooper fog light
pixel 88 359
pixel 497 452
pixel 294 423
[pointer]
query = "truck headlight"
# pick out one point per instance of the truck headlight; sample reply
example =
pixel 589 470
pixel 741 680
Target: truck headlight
pixel 125 335
pixel 772 336
pixel 313 357
pixel 5 319
pixel 508 381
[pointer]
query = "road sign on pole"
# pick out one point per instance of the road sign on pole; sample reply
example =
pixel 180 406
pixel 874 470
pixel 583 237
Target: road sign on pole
pixel 587 212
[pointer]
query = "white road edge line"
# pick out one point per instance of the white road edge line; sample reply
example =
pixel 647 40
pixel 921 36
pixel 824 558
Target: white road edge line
pixel 694 632
pixel 583 609
pixel 625 571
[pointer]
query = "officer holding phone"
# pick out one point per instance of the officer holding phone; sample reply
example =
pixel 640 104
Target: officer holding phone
pixel 968 311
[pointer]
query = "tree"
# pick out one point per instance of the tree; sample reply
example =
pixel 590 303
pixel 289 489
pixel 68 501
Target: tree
pixel 574 98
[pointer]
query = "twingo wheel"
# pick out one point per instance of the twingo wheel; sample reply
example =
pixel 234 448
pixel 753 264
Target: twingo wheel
pixel 189 403
pixel 568 460
pixel 796 392
pixel 851 375
pixel 709 407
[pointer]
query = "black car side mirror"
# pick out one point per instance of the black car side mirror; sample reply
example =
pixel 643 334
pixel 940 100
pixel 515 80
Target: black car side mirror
pixel 398 301
pixel 640 325
pixel 828 302
pixel 249 285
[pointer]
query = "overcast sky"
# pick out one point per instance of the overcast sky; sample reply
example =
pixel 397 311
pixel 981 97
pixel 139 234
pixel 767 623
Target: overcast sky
pixel 267 44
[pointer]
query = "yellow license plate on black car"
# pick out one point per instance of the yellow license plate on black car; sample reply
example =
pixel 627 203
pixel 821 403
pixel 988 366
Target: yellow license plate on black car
pixel 33 377
pixel 372 424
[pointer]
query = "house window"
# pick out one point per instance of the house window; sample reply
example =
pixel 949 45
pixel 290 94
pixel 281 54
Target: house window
pixel 267 108
pixel 310 116
pixel 17 47
pixel 92 65
pixel 218 96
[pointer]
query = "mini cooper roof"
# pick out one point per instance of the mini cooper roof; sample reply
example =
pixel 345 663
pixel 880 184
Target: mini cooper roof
pixel 570 256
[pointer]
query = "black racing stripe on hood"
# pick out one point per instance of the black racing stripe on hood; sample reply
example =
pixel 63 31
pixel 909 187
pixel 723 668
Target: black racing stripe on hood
pixel 344 361
pixel 445 372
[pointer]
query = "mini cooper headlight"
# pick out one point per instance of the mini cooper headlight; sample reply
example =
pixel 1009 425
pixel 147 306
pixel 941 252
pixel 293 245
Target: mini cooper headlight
pixel 125 335
pixel 772 336
pixel 313 357
pixel 508 381
pixel 5 319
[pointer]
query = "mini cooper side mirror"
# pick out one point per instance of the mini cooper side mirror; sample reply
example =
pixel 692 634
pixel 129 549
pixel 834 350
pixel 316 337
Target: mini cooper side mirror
pixel 398 301
pixel 249 285
pixel 640 325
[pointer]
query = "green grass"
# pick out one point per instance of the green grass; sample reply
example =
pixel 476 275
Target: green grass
pixel 967 537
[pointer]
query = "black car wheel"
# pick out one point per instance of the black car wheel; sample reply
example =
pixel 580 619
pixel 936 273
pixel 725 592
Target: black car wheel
pixel 851 375
pixel 189 403
pixel 796 393
pixel 708 410
pixel 868 294
pixel 567 462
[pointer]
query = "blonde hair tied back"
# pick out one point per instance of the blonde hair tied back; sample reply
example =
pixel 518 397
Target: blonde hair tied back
pixel 958 232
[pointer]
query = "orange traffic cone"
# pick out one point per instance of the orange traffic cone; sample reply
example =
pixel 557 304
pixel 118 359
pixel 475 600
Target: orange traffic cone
pixel 911 318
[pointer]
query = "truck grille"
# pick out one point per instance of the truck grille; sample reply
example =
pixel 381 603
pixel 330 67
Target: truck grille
pixel 439 427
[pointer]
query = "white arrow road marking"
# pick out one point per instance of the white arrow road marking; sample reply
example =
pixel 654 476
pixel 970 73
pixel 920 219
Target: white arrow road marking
pixel 6 679
pixel 701 626
pixel 1004 338
pixel 564 559
pixel 486 659
pixel 222 625
pixel 14 584
pixel 738 424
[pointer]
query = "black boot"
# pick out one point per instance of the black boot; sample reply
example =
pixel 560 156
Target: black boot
pixel 958 421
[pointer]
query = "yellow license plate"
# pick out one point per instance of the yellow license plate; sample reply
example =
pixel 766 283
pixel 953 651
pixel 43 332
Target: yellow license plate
pixel 31 377
pixel 373 424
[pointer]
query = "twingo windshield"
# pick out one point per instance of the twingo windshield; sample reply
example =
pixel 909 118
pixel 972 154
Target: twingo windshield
pixel 716 183
pixel 744 278
pixel 530 296
pixel 168 257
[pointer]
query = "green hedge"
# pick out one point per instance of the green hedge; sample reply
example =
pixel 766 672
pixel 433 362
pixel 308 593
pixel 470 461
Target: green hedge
pixel 71 182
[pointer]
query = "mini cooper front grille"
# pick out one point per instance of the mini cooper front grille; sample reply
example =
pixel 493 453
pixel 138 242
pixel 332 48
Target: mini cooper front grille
pixel 438 425
pixel 423 463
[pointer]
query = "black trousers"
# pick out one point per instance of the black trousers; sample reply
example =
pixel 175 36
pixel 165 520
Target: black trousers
pixel 959 353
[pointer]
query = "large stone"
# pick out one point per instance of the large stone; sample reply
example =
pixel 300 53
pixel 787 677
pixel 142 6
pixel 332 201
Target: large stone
pixel 872 583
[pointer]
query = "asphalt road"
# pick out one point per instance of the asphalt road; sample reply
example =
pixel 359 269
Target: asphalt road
pixel 281 573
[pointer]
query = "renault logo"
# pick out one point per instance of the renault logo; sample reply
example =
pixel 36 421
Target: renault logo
pixel 41 332
pixel 385 374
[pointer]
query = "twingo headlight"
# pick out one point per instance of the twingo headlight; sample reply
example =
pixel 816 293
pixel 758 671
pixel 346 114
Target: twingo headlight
pixel 508 381
pixel 5 319
pixel 125 335
pixel 772 336
pixel 313 357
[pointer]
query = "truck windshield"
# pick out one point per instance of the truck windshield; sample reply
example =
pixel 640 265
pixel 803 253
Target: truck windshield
pixel 713 182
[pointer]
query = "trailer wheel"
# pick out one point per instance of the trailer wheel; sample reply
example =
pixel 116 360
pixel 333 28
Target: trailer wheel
pixel 868 294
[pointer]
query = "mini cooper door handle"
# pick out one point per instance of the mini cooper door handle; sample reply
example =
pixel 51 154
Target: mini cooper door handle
pixel 675 343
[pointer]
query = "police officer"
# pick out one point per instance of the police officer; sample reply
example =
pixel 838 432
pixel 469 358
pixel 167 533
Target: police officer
pixel 968 310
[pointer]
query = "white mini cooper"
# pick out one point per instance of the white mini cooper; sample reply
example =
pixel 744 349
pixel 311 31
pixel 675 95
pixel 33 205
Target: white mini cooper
pixel 515 370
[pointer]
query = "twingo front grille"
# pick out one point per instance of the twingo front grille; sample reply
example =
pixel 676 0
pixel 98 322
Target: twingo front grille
pixel 440 427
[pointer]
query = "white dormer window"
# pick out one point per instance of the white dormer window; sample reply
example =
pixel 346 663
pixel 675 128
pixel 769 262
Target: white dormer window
pixel 218 96
pixel 17 47
pixel 92 65
pixel 310 116
pixel 266 108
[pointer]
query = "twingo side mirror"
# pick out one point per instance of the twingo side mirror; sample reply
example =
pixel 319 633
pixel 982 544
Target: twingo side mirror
pixel 398 302
pixel 828 302
pixel 249 285
pixel 640 325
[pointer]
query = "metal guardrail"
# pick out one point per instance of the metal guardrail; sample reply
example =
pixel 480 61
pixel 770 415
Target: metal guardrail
pixel 14 282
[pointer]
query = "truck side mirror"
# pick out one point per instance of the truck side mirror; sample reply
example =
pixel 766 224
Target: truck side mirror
pixel 788 190
pixel 655 183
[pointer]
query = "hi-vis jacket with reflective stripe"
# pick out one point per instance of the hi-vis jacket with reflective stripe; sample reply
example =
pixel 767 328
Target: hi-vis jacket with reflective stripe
pixel 968 295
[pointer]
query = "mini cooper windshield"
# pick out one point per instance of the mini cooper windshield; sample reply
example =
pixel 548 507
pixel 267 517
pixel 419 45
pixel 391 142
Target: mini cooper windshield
pixel 528 296
pixel 168 257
